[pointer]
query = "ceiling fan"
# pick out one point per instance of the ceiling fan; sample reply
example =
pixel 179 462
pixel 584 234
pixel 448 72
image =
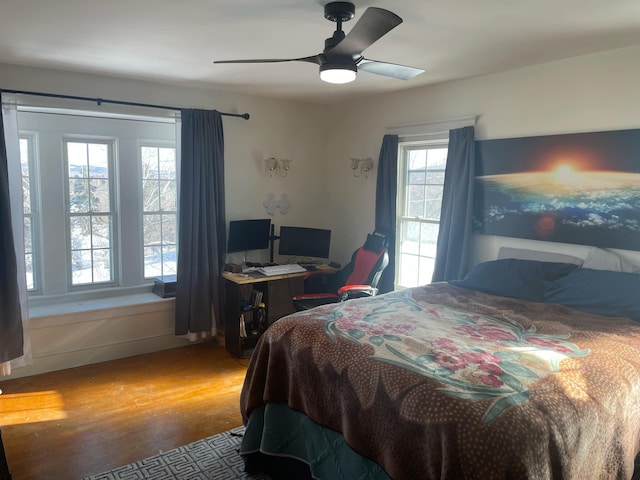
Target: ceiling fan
pixel 342 55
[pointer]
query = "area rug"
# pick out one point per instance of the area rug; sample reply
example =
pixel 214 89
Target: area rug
pixel 215 457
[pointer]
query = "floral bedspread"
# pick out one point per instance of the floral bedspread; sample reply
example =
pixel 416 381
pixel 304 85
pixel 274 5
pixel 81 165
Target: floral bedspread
pixel 444 382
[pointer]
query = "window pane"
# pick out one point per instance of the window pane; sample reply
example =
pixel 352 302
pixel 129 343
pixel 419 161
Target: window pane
pixel 428 239
pixel 101 231
pixel 152 262
pixel 437 158
pixel 167 163
pixel 417 159
pixel 169 229
pixel 410 240
pixel 150 196
pixel 28 240
pixel 102 265
pixel 24 156
pixel 99 195
pixel 168 195
pixel 415 198
pixel 28 263
pixel 149 157
pixel 425 272
pixel 417 177
pixel 98 161
pixel 169 260
pixel 435 177
pixel 81 267
pixel 26 195
pixel 152 225
pixel 408 269
pixel 80 232
pixel 78 195
pixel 77 159
pixel 433 203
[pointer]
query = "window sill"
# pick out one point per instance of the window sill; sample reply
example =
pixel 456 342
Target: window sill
pixel 73 308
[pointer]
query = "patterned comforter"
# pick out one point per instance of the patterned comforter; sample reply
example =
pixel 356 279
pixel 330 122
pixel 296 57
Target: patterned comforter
pixel 442 382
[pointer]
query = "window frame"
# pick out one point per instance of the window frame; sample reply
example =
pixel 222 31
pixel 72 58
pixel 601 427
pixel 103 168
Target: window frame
pixel 112 146
pixel 34 215
pixel 50 129
pixel 158 145
pixel 402 219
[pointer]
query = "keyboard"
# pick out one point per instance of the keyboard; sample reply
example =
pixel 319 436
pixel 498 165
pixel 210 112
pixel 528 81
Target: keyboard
pixel 281 269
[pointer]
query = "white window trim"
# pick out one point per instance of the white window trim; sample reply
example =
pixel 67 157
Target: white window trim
pixel 430 130
pixel 141 211
pixel 403 147
pixel 36 209
pixel 113 211
pixel 120 287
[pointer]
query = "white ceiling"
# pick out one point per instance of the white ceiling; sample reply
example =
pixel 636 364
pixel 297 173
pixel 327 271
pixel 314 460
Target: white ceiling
pixel 177 42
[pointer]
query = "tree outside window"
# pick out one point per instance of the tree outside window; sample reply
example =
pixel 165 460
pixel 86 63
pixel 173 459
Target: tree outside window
pixel 159 206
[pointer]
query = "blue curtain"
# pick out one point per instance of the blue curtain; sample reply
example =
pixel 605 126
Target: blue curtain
pixel 454 239
pixel 201 222
pixel 11 333
pixel 386 194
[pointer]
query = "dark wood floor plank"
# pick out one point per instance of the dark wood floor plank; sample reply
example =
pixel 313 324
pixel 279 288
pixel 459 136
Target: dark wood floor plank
pixel 82 421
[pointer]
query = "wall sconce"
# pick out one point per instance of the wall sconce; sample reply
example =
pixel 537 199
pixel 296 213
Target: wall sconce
pixel 361 166
pixel 282 165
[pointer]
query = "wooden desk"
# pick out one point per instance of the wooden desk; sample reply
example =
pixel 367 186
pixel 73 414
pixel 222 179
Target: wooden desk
pixel 276 295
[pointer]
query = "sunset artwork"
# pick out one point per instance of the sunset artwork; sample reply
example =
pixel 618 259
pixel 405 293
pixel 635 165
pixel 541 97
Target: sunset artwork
pixel 574 188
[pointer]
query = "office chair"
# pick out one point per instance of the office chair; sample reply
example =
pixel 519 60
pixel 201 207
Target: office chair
pixel 359 278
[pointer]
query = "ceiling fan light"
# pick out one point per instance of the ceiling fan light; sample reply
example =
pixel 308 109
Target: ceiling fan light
pixel 338 73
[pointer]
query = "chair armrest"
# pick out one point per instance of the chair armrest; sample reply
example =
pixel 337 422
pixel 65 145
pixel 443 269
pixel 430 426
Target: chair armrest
pixel 356 291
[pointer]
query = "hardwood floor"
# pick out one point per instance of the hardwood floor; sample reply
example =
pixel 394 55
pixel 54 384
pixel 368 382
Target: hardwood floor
pixel 82 421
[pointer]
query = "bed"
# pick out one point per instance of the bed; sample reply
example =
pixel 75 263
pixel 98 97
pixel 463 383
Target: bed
pixel 525 369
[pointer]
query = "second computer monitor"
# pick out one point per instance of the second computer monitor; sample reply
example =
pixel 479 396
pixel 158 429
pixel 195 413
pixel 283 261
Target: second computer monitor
pixel 304 242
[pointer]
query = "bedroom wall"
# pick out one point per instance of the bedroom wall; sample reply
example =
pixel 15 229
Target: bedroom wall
pixel 79 332
pixel 594 92
pixel 586 93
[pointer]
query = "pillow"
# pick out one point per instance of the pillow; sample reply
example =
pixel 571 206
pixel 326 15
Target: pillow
pixel 614 294
pixel 537 255
pixel 515 278
pixel 602 259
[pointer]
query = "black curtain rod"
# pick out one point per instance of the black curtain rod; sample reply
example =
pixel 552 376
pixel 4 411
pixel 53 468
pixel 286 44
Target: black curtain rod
pixel 100 101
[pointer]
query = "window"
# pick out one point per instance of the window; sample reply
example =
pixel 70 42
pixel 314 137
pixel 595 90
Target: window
pixel 159 201
pixel 90 211
pixel 420 201
pixel 100 208
pixel 30 203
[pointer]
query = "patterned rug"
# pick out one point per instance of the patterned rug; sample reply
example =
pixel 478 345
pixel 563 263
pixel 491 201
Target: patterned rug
pixel 215 457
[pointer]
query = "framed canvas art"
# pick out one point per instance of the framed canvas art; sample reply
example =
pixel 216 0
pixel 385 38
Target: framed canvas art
pixel 581 188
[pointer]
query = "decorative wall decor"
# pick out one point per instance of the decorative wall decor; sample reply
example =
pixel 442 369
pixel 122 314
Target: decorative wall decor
pixel 279 165
pixel 576 188
pixel 283 203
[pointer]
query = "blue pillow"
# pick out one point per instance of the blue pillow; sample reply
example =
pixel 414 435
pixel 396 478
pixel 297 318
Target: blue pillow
pixel 515 278
pixel 614 294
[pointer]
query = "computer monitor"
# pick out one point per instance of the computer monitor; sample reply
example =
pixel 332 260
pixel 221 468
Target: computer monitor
pixel 304 242
pixel 245 235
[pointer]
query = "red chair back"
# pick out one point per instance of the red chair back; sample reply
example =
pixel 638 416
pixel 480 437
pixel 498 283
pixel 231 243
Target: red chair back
pixel 364 265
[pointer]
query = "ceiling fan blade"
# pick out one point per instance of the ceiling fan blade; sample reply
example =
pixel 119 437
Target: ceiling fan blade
pixel 312 59
pixel 393 70
pixel 372 25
